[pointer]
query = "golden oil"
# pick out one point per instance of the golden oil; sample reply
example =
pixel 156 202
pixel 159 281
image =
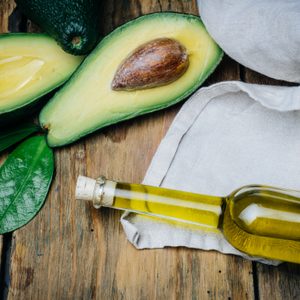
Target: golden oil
pixel 171 204
pixel 258 220
pixel 266 212
pixel 264 221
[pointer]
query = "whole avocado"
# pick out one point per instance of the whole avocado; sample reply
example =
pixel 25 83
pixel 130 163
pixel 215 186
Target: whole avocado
pixel 74 24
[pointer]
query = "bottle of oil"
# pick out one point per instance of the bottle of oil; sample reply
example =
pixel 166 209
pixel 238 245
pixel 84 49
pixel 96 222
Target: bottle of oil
pixel 257 220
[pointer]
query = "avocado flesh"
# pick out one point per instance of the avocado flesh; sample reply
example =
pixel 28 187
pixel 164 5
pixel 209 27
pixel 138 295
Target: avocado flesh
pixel 31 65
pixel 87 102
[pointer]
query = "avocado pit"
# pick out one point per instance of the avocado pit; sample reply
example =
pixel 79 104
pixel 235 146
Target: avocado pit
pixel 153 64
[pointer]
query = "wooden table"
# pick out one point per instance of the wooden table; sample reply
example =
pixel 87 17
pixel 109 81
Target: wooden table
pixel 72 251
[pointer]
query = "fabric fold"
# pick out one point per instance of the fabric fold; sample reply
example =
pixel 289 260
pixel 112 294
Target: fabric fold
pixel 261 35
pixel 226 136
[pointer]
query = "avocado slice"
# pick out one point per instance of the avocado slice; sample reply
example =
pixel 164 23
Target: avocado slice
pixel 31 65
pixel 74 24
pixel 89 101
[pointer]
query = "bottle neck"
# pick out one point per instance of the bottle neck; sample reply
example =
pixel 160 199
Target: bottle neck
pixel 167 204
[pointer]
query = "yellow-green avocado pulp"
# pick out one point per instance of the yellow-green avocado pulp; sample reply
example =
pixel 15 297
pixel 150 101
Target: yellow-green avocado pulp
pixel 31 65
pixel 87 102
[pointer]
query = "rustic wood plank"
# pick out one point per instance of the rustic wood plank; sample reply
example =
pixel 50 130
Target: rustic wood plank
pixel 2 258
pixel 1 262
pixel 6 9
pixel 281 282
pixel 4 246
pixel 254 77
pixel 72 251
pixel 8 22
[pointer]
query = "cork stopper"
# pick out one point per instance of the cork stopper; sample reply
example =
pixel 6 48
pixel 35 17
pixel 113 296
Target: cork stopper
pixel 85 188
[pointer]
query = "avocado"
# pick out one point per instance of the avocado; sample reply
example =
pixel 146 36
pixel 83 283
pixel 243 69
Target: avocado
pixel 73 23
pixel 31 65
pixel 148 64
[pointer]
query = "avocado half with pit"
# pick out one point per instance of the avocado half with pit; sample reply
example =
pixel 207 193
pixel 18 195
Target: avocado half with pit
pixel 145 65
pixel 31 65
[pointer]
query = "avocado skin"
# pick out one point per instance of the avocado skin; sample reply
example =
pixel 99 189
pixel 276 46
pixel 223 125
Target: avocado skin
pixel 18 115
pixel 66 20
pixel 22 113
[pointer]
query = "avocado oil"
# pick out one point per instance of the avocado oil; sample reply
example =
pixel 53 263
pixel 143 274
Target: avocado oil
pixel 257 220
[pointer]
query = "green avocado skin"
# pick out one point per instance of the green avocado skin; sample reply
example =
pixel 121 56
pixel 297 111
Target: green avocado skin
pixel 66 21
pixel 20 114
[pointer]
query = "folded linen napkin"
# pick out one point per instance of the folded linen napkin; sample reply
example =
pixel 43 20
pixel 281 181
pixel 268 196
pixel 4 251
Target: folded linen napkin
pixel 225 136
pixel 232 134
pixel 263 35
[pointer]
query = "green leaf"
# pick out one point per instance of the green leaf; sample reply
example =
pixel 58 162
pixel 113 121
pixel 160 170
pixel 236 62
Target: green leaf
pixel 9 137
pixel 25 178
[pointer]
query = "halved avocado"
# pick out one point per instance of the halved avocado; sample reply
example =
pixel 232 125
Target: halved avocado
pixel 89 102
pixel 31 65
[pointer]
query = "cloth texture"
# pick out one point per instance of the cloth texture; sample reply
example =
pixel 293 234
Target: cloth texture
pixel 232 134
pixel 262 35
pixel 226 136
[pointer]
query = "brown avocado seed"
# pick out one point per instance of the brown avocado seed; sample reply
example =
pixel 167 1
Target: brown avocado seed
pixel 155 63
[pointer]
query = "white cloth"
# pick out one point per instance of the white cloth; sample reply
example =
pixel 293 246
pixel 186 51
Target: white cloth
pixel 263 35
pixel 232 134
pixel 225 136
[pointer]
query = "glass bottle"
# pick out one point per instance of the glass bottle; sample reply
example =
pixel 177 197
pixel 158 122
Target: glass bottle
pixel 257 220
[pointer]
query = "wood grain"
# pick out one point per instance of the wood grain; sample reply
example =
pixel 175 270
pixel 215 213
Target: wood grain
pixel 4 241
pixel 10 20
pixel 6 9
pixel 1 251
pixel 72 251
pixel 254 77
pixel 281 282
pixel 2 258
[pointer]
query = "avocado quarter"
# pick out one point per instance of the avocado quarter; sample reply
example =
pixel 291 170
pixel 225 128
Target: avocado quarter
pixel 31 65
pixel 88 101
pixel 74 24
